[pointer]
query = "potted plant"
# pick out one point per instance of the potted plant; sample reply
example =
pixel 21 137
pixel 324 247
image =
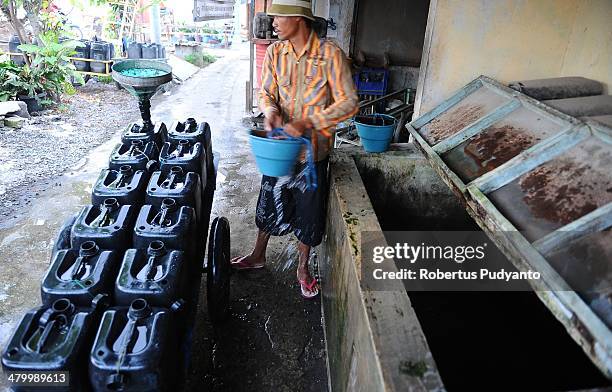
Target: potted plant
pixel 25 84
pixel 46 79
pixel 52 66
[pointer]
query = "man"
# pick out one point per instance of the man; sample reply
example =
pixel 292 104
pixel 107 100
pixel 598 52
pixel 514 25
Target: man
pixel 306 89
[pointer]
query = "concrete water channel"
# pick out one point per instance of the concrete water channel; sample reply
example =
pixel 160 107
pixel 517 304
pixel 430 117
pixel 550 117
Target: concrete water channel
pixel 274 339
pixel 399 340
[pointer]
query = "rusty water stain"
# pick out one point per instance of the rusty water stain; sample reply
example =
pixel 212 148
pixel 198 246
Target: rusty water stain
pixel 452 122
pixel 497 145
pixel 564 190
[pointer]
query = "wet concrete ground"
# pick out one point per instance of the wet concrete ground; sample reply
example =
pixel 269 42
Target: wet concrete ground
pixel 273 340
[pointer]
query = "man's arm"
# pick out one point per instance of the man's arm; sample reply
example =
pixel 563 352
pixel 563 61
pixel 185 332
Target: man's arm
pixel 345 100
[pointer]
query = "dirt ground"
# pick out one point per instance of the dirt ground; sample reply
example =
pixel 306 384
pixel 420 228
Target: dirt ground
pixel 54 140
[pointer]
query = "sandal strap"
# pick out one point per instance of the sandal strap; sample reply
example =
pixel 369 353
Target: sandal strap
pixel 308 286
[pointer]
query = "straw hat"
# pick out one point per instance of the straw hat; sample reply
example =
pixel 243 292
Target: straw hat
pixel 291 8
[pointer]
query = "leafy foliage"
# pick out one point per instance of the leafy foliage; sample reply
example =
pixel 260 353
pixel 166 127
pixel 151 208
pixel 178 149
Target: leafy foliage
pixel 52 63
pixel 200 59
pixel 51 71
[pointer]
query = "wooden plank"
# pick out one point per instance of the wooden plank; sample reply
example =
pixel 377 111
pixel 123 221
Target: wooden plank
pixel 595 221
pixel 578 319
pixel 448 176
pixel 447 104
pixel 476 127
pixel 585 327
pixel 530 159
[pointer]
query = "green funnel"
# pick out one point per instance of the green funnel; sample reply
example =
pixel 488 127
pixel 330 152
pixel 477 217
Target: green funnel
pixel 142 78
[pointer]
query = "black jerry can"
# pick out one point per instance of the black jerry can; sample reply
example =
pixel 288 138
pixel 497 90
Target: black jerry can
pixel 136 154
pixel 55 337
pixel 184 188
pixel 62 240
pixel 155 274
pixel 135 131
pixel 80 275
pixel 135 349
pixel 173 225
pixel 191 157
pixel 188 130
pixel 109 225
pixel 126 185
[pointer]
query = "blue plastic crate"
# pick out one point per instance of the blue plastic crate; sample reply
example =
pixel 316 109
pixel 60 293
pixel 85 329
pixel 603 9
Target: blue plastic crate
pixel 371 81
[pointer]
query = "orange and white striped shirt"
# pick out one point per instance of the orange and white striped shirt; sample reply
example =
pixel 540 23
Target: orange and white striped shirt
pixel 315 84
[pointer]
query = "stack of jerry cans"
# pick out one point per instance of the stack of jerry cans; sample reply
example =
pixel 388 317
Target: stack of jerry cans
pixel 120 296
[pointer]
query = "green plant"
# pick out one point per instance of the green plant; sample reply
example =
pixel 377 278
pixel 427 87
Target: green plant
pixel 194 59
pixel 105 79
pixel 200 59
pixel 208 58
pixel 51 64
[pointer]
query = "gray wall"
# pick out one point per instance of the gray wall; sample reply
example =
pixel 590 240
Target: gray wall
pixel 396 27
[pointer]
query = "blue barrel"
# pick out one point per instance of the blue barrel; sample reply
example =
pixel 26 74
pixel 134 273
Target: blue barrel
pixel 375 131
pixel 275 157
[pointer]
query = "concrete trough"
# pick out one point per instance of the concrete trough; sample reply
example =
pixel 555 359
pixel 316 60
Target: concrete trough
pixel 396 340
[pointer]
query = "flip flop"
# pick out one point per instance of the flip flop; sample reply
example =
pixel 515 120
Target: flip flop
pixel 239 264
pixel 311 293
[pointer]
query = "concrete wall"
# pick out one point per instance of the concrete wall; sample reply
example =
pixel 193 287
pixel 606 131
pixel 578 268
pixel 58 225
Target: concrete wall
pixel 342 12
pixel 369 333
pixel 397 29
pixel 512 40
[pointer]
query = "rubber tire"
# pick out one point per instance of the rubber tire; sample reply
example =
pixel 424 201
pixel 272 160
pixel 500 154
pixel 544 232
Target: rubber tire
pixel 219 270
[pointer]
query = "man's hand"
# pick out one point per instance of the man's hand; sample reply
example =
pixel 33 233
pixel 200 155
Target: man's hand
pixel 273 120
pixel 298 127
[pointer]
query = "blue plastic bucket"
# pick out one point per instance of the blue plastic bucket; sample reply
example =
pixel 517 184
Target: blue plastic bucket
pixel 275 157
pixel 375 131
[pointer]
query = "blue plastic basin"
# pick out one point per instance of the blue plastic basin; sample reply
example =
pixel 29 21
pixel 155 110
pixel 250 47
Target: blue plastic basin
pixel 375 131
pixel 275 157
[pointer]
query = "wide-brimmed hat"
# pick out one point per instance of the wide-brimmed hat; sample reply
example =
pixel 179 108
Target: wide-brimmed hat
pixel 291 8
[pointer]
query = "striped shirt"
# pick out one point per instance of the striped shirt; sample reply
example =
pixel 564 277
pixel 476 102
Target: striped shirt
pixel 315 84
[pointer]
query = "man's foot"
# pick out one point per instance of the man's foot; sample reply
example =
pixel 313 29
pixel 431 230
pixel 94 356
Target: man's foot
pixel 247 262
pixel 308 284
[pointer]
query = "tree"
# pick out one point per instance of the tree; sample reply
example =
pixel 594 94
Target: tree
pixel 32 9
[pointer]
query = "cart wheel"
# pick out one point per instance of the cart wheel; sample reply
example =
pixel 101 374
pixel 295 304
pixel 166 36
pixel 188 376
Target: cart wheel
pixel 118 86
pixel 219 270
